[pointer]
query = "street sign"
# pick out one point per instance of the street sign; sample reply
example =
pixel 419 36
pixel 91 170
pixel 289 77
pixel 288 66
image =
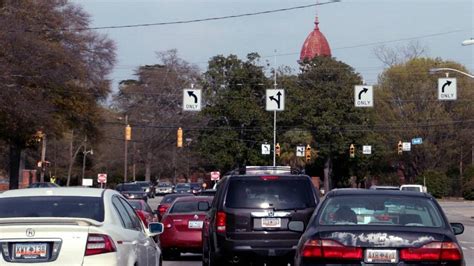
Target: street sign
pixel 87 182
pixel 266 149
pixel 215 176
pixel 406 146
pixel 192 100
pixel 416 141
pixel 363 96
pixel 367 149
pixel 300 151
pixel 102 178
pixel 275 100
pixel 447 89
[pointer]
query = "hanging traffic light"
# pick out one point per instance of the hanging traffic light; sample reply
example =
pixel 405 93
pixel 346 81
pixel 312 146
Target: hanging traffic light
pixel 352 151
pixel 308 153
pixel 179 142
pixel 128 132
pixel 277 150
pixel 400 147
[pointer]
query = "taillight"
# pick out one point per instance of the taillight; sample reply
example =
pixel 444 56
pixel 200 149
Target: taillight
pixel 167 222
pixel 162 208
pixel 99 244
pixel 433 251
pixel 330 249
pixel 220 222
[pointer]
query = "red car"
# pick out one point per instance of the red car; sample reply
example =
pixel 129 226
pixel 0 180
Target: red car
pixel 166 203
pixel 183 223
pixel 143 211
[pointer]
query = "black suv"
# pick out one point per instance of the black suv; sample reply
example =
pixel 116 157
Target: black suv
pixel 257 218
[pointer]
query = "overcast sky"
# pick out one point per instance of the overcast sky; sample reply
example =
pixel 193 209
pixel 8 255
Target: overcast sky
pixel 352 27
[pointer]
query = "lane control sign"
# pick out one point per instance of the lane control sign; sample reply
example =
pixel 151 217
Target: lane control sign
pixel 363 96
pixel 275 100
pixel 192 100
pixel 447 89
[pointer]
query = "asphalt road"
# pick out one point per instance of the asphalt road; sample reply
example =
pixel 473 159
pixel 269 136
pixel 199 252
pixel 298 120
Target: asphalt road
pixel 457 211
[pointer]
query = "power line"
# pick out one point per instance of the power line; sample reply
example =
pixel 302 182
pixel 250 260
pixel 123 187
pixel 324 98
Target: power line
pixel 205 19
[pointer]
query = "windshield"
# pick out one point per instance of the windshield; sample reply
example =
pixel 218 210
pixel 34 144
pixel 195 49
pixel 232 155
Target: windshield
pixel 277 194
pixel 130 187
pixel 186 185
pixel 380 210
pixel 164 185
pixel 53 206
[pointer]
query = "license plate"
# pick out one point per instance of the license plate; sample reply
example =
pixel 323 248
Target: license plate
pixel 271 222
pixel 31 250
pixel 195 224
pixel 381 256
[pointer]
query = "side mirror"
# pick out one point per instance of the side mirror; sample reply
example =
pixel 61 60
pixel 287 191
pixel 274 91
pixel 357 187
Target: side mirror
pixel 155 229
pixel 296 226
pixel 203 206
pixel 458 228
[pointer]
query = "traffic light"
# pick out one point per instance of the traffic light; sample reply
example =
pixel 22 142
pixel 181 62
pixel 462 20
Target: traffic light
pixel 307 153
pixel 352 151
pixel 400 147
pixel 179 142
pixel 277 150
pixel 128 132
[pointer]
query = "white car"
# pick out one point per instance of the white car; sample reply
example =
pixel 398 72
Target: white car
pixel 74 226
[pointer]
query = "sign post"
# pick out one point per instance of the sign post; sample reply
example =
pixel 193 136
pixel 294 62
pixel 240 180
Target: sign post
pixel 275 101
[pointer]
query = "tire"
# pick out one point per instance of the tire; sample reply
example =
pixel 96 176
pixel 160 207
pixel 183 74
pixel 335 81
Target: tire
pixel 169 254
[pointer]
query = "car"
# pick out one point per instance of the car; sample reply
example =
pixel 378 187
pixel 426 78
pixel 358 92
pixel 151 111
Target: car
pixel 166 202
pixel 74 226
pixel 182 188
pixel 148 187
pixel 374 187
pixel 164 188
pixel 414 187
pixel 195 188
pixel 144 211
pixel 368 227
pixel 132 191
pixel 42 184
pixel 183 223
pixel 249 219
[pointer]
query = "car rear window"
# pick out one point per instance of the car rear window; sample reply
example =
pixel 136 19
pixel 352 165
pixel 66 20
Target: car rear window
pixel 380 210
pixel 184 207
pixel 136 204
pixel 171 198
pixel 53 206
pixel 131 187
pixel 278 193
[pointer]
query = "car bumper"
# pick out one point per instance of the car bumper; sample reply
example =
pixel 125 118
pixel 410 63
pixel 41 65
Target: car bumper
pixel 259 248
pixel 181 240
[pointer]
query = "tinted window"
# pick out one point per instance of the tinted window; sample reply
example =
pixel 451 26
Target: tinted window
pixel 164 185
pixel 133 216
pixel 171 198
pixel 184 207
pixel 380 210
pixel 186 185
pixel 129 187
pixel 53 206
pixel 126 220
pixel 416 189
pixel 277 194
pixel 136 204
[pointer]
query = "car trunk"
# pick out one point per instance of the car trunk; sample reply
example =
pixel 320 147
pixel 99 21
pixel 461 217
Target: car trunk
pixel 58 241
pixel 188 222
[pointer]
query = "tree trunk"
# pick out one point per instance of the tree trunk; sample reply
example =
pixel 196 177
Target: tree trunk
pixel 327 174
pixel 72 157
pixel 14 165
pixel 149 157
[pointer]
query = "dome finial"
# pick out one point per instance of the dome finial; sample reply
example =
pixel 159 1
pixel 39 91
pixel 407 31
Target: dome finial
pixel 316 23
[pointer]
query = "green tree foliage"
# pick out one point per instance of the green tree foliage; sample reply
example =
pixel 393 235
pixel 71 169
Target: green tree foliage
pixel 320 99
pixel 53 73
pixel 437 182
pixel 407 106
pixel 237 123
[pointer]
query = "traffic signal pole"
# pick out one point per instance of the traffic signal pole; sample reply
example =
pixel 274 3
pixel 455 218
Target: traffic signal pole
pixel 274 115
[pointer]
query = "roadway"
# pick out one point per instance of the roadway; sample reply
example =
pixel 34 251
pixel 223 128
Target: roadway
pixel 456 211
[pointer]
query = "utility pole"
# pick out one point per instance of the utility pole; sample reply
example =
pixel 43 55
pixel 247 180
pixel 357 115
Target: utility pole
pixel 134 160
pixel 274 112
pixel 84 154
pixel 126 138
pixel 43 157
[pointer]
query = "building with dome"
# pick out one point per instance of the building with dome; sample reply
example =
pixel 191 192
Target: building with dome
pixel 315 44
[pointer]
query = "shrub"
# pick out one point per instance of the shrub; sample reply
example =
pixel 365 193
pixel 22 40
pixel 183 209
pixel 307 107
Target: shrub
pixel 468 190
pixel 436 182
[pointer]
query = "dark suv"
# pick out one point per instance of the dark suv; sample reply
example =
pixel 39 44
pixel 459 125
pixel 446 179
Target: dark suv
pixel 257 218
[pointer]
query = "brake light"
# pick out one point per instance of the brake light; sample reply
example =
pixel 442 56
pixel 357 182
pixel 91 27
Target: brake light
pixel 162 208
pixel 221 220
pixel 99 244
pixel 433 251
pixel 168 223
pixel 269 177
pixel 330 249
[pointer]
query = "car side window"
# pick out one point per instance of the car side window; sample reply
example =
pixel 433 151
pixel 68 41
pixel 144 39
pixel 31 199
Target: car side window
pixel 148 208
pixel 137 225
pixel 122 212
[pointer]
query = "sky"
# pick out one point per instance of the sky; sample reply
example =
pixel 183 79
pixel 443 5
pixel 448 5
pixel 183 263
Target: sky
pixel 353 29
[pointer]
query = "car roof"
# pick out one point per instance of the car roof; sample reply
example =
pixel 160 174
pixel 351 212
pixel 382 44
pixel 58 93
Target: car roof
pixel 56 191
pixel 194 198
pixel 359 191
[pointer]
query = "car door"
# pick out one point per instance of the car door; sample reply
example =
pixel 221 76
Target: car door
pixel 147 250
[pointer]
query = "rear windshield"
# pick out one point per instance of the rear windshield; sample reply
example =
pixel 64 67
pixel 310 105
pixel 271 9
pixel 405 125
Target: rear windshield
pixel 164 185
pixel 171 198
pixel 184 207
pixel 136 204
pixel 53 206
pixel 380 210
pixel 416 189
pixel 130 187
pixel 276 194
pixel 186 185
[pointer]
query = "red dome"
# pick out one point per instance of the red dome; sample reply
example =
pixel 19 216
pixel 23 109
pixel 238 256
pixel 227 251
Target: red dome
pixel 315 45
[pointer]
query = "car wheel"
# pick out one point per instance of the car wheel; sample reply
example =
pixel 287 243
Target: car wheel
pixel 169 254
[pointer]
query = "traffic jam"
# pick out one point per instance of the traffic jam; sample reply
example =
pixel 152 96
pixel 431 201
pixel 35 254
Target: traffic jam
pixel 268 216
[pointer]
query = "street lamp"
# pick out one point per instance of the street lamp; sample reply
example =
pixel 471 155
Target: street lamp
pixel 440 69
pixel 468 42
pixel 85 152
